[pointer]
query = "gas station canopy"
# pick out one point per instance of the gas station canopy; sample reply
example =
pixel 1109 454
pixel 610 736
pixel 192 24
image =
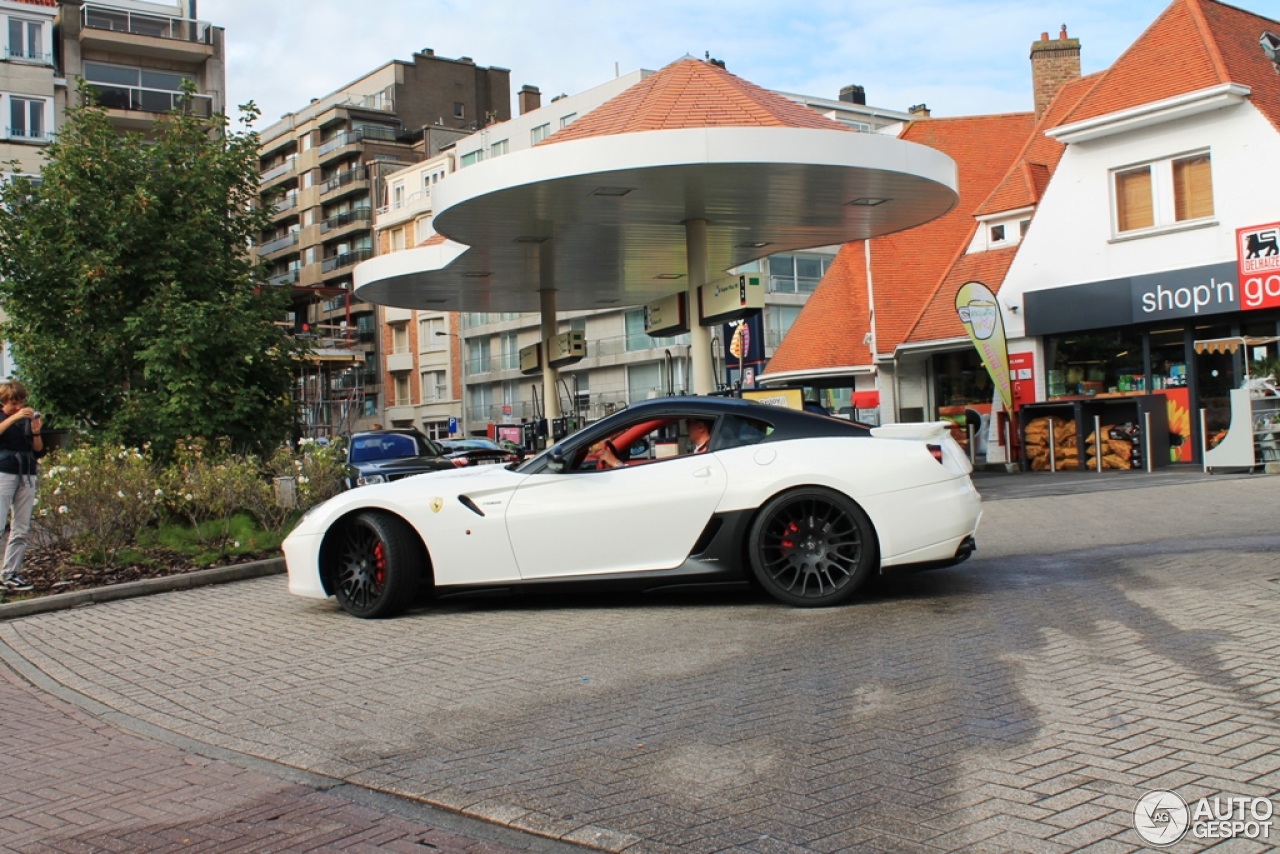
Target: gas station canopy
pixel 598 212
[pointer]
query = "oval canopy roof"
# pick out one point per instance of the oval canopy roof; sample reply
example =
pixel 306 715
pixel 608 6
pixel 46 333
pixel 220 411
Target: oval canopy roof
pixel 608 196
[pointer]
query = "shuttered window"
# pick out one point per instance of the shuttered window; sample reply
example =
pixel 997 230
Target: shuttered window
pixel 1133 199
pixel 1192 188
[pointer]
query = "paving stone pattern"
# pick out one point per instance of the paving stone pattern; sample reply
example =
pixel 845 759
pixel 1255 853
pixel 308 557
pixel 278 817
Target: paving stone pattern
pixel 1021 702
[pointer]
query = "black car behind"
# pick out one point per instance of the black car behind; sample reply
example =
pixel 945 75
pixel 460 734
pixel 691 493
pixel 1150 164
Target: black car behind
pixel 378 456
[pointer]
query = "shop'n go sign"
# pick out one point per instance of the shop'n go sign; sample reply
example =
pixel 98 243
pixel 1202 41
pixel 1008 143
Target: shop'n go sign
pixel 1258 258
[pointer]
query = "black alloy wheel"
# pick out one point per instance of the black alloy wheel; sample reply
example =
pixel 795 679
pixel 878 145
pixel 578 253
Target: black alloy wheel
pixel 378 565
pixel 812 547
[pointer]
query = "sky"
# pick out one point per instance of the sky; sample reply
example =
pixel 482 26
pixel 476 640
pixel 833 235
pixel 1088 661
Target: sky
pixel 960 57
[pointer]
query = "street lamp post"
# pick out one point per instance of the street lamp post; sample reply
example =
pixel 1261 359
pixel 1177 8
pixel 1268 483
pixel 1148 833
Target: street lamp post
pixel 462 378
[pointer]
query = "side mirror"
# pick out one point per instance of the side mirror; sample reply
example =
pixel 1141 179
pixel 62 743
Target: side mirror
pixel 555 459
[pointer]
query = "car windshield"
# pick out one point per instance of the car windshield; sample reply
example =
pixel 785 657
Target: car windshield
pixel 386 446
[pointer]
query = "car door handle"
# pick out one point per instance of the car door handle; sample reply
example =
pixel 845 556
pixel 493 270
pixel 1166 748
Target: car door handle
pixel 703 472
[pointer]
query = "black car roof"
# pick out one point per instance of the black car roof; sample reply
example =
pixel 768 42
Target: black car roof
pixel 787 423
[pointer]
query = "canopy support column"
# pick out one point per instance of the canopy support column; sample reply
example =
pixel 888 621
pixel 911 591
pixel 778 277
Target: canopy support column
pixel 547 303
pixel 702 376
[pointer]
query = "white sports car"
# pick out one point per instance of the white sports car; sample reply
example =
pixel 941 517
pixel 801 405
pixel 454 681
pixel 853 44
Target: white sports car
pixel 807 505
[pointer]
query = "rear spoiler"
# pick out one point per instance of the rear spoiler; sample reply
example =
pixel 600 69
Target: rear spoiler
pixel 935 434
pixel 925 431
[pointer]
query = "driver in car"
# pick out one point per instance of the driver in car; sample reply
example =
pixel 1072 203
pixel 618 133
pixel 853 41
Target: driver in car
pixel 699 436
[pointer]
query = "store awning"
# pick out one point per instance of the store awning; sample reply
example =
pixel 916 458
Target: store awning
pixel 1230 345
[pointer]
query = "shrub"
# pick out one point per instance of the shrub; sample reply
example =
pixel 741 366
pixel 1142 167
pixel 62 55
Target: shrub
pixel 208 486
pixel 95 499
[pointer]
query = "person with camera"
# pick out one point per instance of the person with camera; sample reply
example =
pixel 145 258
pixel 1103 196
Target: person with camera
pixel 20 444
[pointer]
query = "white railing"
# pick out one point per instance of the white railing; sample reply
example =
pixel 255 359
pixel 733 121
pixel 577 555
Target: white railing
pixel 159 26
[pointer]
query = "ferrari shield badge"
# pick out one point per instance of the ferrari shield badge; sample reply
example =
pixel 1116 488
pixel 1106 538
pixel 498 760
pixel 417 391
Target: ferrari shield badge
pixel 436 504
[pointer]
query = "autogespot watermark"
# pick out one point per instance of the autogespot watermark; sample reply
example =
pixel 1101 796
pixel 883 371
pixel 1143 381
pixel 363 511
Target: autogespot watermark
pixel 1162 818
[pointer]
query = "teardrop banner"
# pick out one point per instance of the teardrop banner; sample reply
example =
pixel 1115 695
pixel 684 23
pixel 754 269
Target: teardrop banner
pixel 980 314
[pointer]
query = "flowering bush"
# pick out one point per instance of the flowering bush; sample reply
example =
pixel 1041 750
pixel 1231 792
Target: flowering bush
pixel 95 498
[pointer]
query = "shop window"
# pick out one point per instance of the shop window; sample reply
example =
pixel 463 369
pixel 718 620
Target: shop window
pixel 1088 364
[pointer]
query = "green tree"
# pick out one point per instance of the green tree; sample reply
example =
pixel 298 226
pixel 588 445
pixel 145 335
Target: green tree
pixel 133 304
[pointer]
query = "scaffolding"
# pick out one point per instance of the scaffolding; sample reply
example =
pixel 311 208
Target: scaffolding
pixel 328 391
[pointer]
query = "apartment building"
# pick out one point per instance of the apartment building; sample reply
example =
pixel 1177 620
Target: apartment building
pixel 322 170
pixel 137 55
pixel 438 360
pixel 27 88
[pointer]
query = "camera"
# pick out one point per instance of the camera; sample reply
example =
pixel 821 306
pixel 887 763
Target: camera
pixel 37 415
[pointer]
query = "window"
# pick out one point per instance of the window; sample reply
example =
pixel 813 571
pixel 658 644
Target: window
pixel 26 40
pixel 1192 188
pixel 1023 226
pixel 26 118
pixel 777 323
pixel 997 234
pixel 427 338
pixel 397 195
pixel 478 356
pixel 1163 193
pixel 459 110
pixel 565 121
pixel 305 139
pixel 499 148
pixel 397 240
pixel 510 352
pixel 1133 200
pixel 644 382
pixel 795 274
pixel 308 179
pixel 402 390
pixel 479 403
pixel 539 133
pixel 471 158
pixel 433 386
pixel 399 338
pixel 422 229
pixel 309 216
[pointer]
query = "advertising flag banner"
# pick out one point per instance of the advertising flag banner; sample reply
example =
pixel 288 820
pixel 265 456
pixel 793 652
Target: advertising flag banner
pixel 980 314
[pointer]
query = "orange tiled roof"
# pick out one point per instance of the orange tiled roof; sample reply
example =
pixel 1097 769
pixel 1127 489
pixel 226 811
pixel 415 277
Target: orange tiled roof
pixel 434 240
pixel 938 320
pixel 1193 45
pixel 1029 176
pixel 39 2
pixel 907 266
pixel 690 93
pixel 830 328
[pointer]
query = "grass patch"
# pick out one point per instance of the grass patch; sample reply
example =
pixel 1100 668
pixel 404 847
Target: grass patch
pixel 208 545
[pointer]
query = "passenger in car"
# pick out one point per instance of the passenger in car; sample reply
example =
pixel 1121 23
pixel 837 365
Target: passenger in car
pixel 698 430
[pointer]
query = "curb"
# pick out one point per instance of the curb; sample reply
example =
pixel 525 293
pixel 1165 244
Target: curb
pixel 145 587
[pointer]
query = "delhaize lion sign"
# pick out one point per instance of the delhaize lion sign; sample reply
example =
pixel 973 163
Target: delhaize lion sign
pixel 980 315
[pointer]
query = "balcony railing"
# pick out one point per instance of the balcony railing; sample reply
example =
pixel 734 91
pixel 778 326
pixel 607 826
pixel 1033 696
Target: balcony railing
pixel 343 178
pixel 282 169
pixel 158 26
pixel 346 259
pixel 283 279
pixel 20 55
pixel 284 204
pixel 152 100
pixel 344 219
pixel 27 134
pixel 349 137
pixel 290 239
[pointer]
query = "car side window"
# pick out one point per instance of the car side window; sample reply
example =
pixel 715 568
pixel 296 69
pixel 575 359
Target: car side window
pixel 737 432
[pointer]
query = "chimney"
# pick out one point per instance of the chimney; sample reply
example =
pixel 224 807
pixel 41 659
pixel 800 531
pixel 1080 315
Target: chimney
pixel 853 94
pixel 530 98
pixel 920 111
pixel 1054 63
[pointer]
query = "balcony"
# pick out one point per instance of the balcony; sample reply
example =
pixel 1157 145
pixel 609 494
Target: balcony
pixel 354 136
pixel 344 219
pixel 139 100
pixel 283 279
pixel 348 181
pixel 142 34
pixel 18 54
pixel 273 246
pixel 346 259
pixel 400 360
pixel 395 314
pixel 30 135
pixel 278 171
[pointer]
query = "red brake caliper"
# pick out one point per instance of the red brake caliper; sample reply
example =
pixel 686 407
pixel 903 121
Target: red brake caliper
pixel 379 565
pixel 792 528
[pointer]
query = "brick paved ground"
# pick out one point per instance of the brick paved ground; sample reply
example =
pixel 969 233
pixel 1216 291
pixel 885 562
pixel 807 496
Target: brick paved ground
pixel 1102 645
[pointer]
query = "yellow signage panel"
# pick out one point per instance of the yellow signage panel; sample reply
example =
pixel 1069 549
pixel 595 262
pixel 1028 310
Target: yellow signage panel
pixel 667 316
pixel 567 348
pixel 791 398
pixel 730 299
pixel 531 359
